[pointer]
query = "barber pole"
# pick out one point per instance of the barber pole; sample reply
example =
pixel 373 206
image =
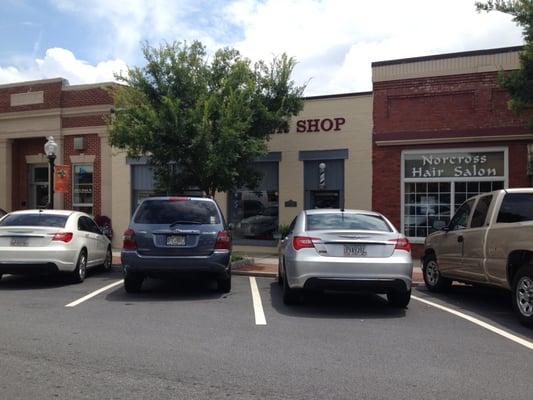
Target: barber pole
pixel 322 175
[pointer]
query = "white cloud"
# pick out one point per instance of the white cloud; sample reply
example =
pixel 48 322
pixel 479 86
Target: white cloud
pixel 335 41
pixel 59 62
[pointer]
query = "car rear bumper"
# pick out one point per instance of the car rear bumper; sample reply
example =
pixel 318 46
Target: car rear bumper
pixel 216 264
pixel 368 273
pixel 27 260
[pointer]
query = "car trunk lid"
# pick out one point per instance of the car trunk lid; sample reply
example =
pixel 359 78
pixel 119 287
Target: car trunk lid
pixel 354 243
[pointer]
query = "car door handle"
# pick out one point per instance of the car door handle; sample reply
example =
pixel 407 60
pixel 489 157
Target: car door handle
pixel 460 238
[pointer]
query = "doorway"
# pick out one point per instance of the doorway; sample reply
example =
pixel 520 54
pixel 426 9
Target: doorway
pixel 38 190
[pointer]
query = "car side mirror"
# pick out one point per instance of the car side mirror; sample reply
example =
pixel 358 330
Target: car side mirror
pixel 439 225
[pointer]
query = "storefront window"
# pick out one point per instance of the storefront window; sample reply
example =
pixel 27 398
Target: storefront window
pixel 82 192
pixel 254 213
pixel 435 184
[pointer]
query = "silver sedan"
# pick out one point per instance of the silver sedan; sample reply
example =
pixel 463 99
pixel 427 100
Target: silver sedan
pixel 345 250
pixel 44 241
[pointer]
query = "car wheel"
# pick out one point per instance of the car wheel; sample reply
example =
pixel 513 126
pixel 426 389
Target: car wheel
pixel 523 295
pixel 80 272
pixel 290 296
pixel 434 281
pixel 133 283
pixel 399 298
pixel 224 284
pixel 108 262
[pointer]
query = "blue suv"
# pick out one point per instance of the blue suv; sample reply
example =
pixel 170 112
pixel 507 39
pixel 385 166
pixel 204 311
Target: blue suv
pixel 176 235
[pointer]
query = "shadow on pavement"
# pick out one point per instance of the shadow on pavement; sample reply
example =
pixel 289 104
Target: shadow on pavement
pixel 491 304
pixel 336 305
pixel 50 281
pixel 169 290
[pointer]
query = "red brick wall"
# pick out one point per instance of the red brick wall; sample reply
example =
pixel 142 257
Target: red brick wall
pixel 20 170
pixel 90 120
pixel 445 103
pixel 85 97
pixel 52 96
pixel 92 147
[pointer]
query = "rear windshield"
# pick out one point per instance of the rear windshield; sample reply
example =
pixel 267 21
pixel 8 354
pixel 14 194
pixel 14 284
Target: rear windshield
pixel 336 221
pixel 167 212
pixel 38 219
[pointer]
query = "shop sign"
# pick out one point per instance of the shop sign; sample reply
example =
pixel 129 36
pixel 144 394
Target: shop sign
pixel 455 165
pixel 320 125
pixel 61 178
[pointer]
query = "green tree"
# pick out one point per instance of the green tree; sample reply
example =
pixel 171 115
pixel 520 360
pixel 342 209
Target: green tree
pixel 519 83
pixel 202 120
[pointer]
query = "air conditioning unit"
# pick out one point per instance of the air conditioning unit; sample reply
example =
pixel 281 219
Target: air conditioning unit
pixel 79 143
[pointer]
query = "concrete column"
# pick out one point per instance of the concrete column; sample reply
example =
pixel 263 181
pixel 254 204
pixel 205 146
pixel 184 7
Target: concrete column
pixel 105 175
pixel 5 174
pixel 59 198
pixel 291 186
pixel 120 195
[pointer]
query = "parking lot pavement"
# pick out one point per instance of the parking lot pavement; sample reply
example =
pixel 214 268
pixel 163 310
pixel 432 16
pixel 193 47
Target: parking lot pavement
pixel 185 340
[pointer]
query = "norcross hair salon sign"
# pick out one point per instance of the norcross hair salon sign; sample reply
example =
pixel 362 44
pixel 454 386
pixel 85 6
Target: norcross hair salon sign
pixel 455 165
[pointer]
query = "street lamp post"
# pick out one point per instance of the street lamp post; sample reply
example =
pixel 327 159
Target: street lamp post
pixel 50 149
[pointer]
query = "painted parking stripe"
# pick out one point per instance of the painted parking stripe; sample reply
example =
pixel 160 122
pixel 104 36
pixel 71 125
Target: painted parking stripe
pixel 95 293
pixel 258 306
pixel 479 322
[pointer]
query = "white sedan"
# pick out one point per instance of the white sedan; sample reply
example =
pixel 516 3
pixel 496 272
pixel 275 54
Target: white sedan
pixel 44 241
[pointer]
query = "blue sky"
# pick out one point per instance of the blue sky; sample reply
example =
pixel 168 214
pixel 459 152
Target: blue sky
pixel 334 41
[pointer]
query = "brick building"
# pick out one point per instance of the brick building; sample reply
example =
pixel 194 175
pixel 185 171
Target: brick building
pixel 75 116
pixel 441 133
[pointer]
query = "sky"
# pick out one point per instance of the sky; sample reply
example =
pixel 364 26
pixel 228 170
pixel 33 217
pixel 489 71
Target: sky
pixel 333 41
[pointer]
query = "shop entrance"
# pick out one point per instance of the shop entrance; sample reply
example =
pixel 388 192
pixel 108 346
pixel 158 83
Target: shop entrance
pixel 325 199
pixel 38 196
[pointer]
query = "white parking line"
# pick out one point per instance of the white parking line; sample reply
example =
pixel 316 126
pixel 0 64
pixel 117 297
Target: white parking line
pixel 258 306
pixel 476 321
pixel 95 293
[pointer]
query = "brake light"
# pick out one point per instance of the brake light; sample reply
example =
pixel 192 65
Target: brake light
pixel 303 242
pixel 223 241
pixel 178 198
pixel 128 240
pixel 63 236
pixel 402 244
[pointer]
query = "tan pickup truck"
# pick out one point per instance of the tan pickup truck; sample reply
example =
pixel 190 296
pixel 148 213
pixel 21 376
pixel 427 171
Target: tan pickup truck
pixel 488 241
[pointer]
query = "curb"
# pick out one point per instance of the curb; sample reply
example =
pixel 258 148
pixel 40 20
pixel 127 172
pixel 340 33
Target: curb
pixel 259 274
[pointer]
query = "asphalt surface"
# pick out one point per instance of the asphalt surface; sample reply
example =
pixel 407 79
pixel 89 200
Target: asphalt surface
pixel 184 340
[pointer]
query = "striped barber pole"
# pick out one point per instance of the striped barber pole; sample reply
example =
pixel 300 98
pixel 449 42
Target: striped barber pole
pixel 322 175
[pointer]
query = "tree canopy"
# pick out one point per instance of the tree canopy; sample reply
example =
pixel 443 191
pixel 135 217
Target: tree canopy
pixel 202 120
pixel 519 83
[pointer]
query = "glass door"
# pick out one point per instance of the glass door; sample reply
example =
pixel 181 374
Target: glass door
pixel 38 193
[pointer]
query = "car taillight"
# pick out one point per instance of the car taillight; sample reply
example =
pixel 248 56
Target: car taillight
pixel 402 244
pixel 63 236
pixel 128 240
pixel 223 241
pixel 303 242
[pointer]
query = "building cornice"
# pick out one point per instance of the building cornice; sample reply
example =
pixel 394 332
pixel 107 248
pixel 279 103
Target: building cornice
pixel 448 140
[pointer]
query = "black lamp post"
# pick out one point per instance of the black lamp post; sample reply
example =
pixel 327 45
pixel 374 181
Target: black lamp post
pixel 50 149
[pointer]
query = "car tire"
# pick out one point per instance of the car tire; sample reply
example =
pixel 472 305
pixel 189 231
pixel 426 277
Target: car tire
pixel 434 281
pixel 399 298
pixel 0 276
pixel 523 295
pixel 80 272
pixel 133 283
pixel 224 284
pixel 289 296
pixel 108 262
pixel 280 277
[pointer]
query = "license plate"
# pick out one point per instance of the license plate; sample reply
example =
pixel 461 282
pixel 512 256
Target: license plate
pixel 354 250
pixel 19 242
pixel 176 240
